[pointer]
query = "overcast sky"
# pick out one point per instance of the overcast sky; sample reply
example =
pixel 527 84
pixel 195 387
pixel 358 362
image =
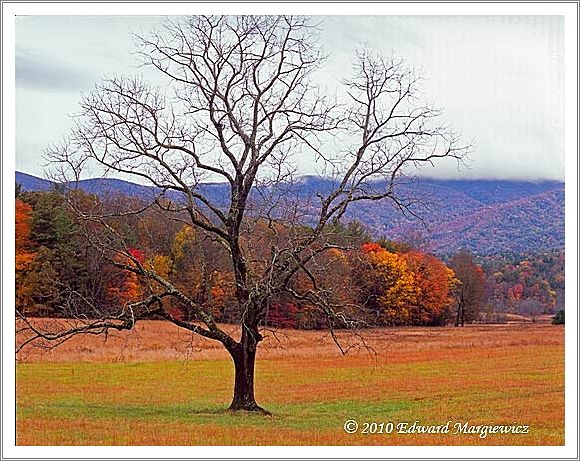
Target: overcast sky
pixel 498 78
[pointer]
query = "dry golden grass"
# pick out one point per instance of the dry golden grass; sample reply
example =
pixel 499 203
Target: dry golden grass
pixel 152 341
pixel 161 386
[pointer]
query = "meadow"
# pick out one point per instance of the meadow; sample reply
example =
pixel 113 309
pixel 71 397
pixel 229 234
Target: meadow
pixel 160 386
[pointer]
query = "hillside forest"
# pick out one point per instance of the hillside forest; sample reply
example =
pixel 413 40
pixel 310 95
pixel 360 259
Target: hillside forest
pixel 379 281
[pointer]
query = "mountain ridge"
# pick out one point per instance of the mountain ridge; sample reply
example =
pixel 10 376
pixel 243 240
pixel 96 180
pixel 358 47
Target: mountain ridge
pixel 485 216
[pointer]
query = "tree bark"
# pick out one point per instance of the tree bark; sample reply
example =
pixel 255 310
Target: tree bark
pixel 244 358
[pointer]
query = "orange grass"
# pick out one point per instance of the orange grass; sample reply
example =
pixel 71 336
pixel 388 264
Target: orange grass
pixel 163 387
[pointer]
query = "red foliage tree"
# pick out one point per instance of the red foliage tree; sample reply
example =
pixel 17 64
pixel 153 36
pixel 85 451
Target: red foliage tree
pixel 283 315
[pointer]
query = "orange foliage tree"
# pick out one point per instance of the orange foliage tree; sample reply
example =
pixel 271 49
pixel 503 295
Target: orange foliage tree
pixel 24 254
pixel 126 286
pixel 409 288
pixel 435 282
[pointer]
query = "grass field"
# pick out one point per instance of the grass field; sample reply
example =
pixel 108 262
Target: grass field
pixel 159 386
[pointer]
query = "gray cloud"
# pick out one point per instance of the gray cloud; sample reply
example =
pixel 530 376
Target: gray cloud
pixel 49 73
pixel 499 79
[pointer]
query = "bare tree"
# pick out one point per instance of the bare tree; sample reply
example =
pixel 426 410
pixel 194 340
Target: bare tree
pixel 532 307
pixel 241 107
pixel 470 292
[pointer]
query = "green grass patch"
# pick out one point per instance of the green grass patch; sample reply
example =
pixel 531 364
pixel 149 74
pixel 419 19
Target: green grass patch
pixel 104 403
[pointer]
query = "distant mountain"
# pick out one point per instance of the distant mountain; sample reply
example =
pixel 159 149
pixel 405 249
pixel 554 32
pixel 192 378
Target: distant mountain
pixel 32 183
pixel 530 223
pixel 97 186
pixel 490 191
pixel 486 216
pixel 103 186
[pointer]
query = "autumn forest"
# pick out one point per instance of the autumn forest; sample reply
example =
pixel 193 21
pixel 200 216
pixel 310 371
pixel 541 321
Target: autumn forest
pixel 379 281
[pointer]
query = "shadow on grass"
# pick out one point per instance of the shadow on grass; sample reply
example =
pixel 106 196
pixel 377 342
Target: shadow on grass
pixel 299 416
pixel 77 408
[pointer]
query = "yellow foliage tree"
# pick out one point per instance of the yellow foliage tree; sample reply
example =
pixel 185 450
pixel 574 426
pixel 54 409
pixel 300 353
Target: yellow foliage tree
pixel 183 239
pixel 393 286
pixel 162 265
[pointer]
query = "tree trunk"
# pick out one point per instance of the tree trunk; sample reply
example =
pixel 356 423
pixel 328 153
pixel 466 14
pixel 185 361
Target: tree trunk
pixel 463 315
pixel 244 358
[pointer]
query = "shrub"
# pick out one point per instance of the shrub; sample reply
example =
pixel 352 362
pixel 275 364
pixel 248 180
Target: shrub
pixel 558 319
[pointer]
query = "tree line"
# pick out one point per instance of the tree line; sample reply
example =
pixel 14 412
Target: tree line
pixel 381 283
pixel 531 284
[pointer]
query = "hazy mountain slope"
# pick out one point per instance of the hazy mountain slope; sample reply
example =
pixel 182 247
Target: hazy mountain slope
pixel 489 191
pixel 528 224
pixel 488 216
